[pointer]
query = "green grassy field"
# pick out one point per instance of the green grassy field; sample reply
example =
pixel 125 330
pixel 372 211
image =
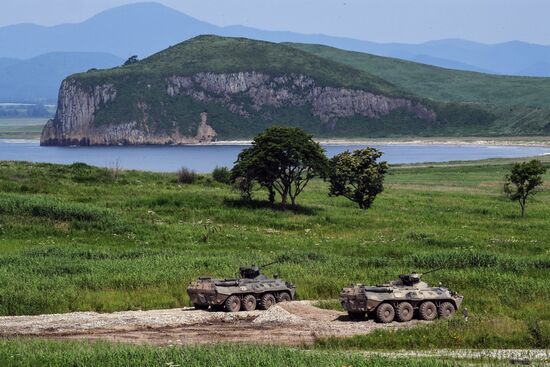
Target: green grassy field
pixel 21 128
pixel 77 238
pixel 27 353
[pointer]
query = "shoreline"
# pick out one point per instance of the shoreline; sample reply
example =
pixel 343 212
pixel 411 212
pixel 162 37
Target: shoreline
pixel 543 141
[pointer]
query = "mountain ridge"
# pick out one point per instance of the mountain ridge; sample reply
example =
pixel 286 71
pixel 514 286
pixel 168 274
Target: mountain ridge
pixel 137 37
pixel 38 79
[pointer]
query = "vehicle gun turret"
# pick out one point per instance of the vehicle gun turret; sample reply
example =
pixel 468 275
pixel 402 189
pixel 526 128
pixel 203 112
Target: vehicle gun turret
pixel 253 272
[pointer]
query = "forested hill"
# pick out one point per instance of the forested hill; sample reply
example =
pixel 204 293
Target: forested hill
pixel 213 87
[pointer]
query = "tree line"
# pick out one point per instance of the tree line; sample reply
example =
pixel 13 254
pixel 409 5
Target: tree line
pixel 283 160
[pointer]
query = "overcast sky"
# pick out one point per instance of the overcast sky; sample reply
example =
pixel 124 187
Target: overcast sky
pixel 411 21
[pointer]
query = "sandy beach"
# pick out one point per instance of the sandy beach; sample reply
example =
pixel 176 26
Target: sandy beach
pixel 535 141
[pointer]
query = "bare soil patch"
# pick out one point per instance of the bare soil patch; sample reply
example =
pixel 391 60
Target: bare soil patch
pixel 292 323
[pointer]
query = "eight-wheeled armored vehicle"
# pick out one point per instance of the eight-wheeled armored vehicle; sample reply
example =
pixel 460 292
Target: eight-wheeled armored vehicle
pixel 249 291
pixel 400 299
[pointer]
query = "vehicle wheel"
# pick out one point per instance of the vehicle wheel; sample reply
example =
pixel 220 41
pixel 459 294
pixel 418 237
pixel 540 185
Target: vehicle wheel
pixel 427 311
pixel 249 303
pixel 356 315
pixel 404 312
pixel 200 307
pixel 284 297
pixel 446 309
pixel 267 301
pixel 232 304
pixel 385 313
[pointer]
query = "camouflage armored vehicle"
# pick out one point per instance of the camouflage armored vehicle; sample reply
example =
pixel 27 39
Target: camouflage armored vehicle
pixel 400 299
pixel 250 291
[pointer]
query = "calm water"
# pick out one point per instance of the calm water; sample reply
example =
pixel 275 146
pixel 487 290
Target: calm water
pixel 205 158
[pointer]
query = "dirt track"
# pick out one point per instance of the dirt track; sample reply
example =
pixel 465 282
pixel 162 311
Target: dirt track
pixel 292 323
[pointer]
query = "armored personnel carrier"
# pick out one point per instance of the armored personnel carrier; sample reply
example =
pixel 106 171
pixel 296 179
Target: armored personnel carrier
pixel 400 299
pixel 249 291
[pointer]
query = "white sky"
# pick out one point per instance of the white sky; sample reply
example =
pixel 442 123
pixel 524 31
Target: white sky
pixel 409 21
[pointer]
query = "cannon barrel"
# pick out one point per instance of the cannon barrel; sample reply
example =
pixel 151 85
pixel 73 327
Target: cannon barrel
pixel 431 271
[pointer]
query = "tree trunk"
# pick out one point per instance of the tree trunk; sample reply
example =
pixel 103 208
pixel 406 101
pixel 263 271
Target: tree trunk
pixel 284 196
pixel 522 206
pixel 271 195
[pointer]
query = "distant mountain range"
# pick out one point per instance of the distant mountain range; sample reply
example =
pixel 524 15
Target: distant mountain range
pixel 37 80
pixel 146 28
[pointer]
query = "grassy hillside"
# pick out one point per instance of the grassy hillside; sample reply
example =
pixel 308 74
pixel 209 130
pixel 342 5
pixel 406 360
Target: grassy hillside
pixel 225 55
pixel 146 82
pixel 521 104
pixel 443 84
pixel 78 238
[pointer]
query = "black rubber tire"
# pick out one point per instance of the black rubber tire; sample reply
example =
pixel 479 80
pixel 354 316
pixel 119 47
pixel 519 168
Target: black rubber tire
pixel 404 312
pixel 232 304
pixel 200 307
pixel 267 301
pixel 355 316
pixel 427 311
pixel 248 303
pixel 446 309
pixel 284 297
pixel 385 313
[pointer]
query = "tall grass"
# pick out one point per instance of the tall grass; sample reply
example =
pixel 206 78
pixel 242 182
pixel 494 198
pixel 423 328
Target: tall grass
pixel 72 240
pixel 51 208
pixel 30 353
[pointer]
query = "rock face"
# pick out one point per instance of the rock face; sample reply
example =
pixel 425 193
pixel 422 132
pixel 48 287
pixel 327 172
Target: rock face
pixel 327 103
pixel 243 94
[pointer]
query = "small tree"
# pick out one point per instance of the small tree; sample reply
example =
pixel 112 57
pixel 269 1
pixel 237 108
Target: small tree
pixel 131 60
pixel 357 176
pixel 283 160
pixel 523 181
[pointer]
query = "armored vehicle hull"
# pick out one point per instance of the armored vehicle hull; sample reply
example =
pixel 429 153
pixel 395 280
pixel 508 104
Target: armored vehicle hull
pixel 401 300
pixel 252 291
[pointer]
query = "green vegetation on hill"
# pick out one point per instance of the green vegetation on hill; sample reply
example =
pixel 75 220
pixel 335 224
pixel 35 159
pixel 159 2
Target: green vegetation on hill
pixel 522 104
pixel 79 238
pixel 145 82
pixel 226 55
pixel 442 84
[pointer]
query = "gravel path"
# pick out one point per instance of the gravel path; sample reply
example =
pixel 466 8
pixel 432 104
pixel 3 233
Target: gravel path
pixel 292 323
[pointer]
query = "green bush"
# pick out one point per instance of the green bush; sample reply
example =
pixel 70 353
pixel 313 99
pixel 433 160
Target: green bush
pixel 222 175
pixel 186 176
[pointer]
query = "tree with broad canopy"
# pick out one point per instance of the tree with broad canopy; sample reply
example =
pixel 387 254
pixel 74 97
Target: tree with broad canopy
pixel 283 160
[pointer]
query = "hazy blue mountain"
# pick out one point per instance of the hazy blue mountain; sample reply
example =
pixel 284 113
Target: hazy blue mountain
pixel 7 61
pixel 447 64
pixel 38 79
pixel 146 28
pixel 123 31
pixel 537 69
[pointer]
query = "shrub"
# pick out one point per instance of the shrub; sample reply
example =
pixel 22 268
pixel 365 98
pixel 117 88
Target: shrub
pixel 222 175
pixel 186 176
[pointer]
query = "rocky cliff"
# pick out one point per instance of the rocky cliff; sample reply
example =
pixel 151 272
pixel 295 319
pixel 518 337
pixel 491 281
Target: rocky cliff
pixel 242 94
pixel 74 122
